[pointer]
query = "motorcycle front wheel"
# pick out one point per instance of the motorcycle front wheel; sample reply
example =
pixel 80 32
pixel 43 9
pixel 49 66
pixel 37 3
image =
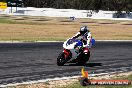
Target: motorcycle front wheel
pixel 61 60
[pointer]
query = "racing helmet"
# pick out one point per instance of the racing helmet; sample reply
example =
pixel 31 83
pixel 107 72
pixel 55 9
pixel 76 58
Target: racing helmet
pixel 83 29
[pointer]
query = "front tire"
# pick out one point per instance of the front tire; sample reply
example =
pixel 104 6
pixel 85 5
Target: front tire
pixel 61 60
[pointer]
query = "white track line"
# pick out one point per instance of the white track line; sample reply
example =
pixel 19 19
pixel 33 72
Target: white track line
pixel 95 40
pixel 114 40
pixel 39 81
pixel 62 41
pixel 57 78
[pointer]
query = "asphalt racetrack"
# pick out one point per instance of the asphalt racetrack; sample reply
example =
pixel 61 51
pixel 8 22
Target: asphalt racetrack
pixel 21 62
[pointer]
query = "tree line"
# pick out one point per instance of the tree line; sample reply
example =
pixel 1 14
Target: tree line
pixel 110 5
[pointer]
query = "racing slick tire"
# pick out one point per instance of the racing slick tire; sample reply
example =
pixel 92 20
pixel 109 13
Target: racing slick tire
pixel 83 58
pixel 60 60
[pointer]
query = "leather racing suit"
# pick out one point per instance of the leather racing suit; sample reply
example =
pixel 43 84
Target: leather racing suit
pixel 86 39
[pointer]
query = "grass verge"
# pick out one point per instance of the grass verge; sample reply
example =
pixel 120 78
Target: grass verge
pixel 74 83
pixel 77 85
pixel 18 28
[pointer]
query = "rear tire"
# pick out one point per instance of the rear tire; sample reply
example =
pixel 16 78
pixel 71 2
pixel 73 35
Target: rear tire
pixel 83 58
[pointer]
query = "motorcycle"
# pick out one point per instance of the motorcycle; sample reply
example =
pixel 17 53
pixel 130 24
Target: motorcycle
pixel 74 51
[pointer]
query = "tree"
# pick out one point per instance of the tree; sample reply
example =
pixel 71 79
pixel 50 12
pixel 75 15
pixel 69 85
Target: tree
pixel 113 5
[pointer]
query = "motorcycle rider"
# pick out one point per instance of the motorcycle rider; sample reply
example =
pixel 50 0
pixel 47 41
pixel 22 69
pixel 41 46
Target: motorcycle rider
pixel 86 37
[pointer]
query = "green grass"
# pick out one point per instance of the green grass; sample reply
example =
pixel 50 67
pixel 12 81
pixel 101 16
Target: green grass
pixel 77 85
pixel 32 39
pixel 11 21
pixel 8 21
pixel 4 20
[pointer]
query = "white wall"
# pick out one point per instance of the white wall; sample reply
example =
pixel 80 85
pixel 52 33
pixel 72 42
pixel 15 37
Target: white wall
pixel 51 12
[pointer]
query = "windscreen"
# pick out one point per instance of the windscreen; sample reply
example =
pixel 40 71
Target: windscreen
pixel 69 42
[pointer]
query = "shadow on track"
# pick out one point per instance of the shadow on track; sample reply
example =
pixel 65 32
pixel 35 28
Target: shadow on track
pixel 87 64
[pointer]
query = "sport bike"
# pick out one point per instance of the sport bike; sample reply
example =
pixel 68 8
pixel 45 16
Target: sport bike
pixel 73 51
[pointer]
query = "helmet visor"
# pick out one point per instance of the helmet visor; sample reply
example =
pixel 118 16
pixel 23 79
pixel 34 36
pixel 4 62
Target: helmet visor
pixel 82 32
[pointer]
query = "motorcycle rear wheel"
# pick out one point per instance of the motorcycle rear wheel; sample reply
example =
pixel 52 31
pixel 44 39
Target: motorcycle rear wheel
pixel 83 58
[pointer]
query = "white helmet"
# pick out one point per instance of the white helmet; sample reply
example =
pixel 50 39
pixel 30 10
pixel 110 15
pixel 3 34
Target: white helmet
pixel 84 29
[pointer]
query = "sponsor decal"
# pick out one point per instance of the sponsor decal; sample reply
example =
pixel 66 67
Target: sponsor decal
pixel 85 80
pixel 3 5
